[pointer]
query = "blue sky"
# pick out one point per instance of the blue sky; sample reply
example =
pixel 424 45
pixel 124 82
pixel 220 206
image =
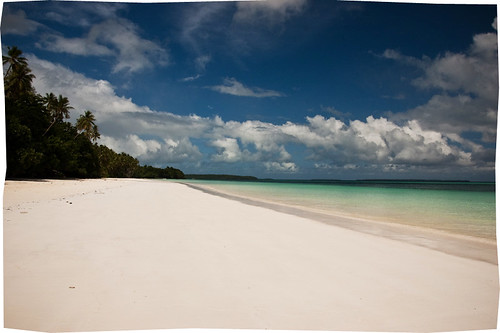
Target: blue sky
pixel 280 88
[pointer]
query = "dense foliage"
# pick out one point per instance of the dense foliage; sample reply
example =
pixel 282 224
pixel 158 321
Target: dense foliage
pixel 41 144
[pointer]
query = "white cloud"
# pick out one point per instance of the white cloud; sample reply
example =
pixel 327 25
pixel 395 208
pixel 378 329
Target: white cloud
pixel 232 87
pixel 154 152
pixel 336 113
pixel 132 144
pixel 190 78
pixel 396 55
pixel 228 150
pixel 201 21
pixel 473 73
pixel 329 167
pixel 374 141
pixel 455 115
pixel 162 138
pixel 281 167
pixel 255 24
pixel 202 62
pixel 134 52
pixel 84 93
pixel 121 122
pixel 82 14
pixel 240 27
pixel 267 12
pixel 76 46
pixel 107 35
pixel 468 89
pixel 261 141
pixel 16 23
pixel 114 37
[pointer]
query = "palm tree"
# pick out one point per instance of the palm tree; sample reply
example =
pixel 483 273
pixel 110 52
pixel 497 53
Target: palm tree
pixel 50 100
pixel 19 82
pixel 86 124
pixel 14 59
pixel 57 107
pixel 18 76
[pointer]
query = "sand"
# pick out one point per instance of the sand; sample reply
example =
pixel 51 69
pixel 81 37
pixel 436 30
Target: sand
pixel 110 254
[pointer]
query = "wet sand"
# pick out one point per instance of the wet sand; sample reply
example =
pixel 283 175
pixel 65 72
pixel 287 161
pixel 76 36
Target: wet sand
pixel 455 244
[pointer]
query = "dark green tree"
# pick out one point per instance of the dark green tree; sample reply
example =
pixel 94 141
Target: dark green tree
pixel 58 109
pixel 85 125
pixel 41 144
pixel 116 165
pixel 14 60
pixel 18 77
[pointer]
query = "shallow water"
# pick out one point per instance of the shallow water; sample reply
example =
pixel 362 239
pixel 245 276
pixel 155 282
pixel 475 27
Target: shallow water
pixel 462 208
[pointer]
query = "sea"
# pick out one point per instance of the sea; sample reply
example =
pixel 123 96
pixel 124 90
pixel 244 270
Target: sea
pixel 464 208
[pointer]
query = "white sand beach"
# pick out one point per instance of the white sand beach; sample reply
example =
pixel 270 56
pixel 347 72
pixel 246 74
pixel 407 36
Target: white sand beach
pixel 109 254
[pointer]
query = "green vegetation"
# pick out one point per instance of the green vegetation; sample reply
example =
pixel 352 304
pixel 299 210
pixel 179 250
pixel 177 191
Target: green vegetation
pixel 41 144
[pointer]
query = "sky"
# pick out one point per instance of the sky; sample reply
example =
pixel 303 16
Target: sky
pixel 289 89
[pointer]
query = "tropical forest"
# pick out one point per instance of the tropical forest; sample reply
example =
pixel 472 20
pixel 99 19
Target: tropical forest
pixel 41 142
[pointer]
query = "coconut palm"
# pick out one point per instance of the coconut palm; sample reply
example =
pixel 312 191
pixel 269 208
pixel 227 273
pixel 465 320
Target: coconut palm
pixel 58 108
pixel 18 76
pixel 19 82
pixel 85 125
pixel 14 60
pixel 50 101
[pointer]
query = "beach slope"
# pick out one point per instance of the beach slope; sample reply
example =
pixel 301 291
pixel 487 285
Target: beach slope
pixel 137 254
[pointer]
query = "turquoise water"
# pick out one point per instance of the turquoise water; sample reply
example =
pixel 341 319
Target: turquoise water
pixel 463 208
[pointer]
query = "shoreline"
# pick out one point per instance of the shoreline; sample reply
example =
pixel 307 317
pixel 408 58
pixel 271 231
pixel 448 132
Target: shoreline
pixel 146 254
pixel 455 244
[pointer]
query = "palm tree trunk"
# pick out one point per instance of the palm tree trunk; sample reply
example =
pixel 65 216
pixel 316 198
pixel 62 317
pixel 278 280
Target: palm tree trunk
pixel 49 128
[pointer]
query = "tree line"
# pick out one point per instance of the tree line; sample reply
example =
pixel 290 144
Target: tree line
pixel 41 143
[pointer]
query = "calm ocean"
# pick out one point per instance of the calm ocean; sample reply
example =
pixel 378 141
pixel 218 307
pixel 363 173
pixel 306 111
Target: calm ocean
pixel 466 208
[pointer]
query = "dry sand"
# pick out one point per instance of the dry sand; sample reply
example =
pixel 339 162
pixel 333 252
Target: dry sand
pixel 135 254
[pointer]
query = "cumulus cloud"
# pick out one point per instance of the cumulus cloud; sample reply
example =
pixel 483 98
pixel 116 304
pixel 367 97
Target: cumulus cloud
pixel 156 152
pixel 281 167
pixel 251 141
pixel 132 144
pixel 162 138
pixel 228 150
pixel 474 73
pixel 85 93
pixel 231 86
pixel 154 137
pixel 456 115
pixel 331 142
pixel 377 141
pixel 467 86
pixel 266 138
